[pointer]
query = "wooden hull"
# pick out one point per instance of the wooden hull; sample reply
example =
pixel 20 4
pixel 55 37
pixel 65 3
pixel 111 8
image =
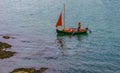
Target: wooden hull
pixel 71 32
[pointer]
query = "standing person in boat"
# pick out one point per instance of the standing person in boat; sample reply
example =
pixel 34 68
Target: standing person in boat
pixel 79 26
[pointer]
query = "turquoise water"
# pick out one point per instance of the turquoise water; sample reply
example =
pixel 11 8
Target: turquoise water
pixel 32 24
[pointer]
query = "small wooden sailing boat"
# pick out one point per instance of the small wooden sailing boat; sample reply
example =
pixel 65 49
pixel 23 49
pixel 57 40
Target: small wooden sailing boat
pixel 64 30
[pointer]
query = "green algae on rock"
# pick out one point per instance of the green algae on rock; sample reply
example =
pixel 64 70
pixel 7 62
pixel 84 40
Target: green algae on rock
pixel 4 45
pixel 6 54
pixel 29 70
pixel 41 70
pixel 23 70
pixel 3 53
pixel 6 37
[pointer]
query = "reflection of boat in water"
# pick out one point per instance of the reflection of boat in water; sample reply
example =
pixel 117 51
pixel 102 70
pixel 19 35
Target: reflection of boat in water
pixel 63 40
pixel 78 37
pixel 59 34
pixel 68 31
pixel 60 44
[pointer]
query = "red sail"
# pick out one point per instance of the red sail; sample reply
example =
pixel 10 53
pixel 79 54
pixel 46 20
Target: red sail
pixel 59 22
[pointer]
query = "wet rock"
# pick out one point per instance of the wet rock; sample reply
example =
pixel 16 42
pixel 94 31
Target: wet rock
pixel 41 70
pixel 6 54
pixel 4 45
pixel 6 37
pixel 3 53
pixel 23 70
pixel 29 70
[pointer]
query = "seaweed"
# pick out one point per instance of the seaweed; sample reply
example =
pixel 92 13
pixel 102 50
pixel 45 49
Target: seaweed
pixel 29 70
pixel 3 52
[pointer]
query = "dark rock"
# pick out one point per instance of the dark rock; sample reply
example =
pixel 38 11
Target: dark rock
pixel 29 70
pixel 4 45
pixel 3 53
pixel 24 70
pixel 43 69
pixel 6 37
pixel 6 54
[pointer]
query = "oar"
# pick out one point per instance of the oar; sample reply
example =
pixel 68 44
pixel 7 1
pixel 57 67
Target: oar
pixel 73 33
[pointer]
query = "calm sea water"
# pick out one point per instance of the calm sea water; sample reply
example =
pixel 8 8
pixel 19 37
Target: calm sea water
pixel 32 24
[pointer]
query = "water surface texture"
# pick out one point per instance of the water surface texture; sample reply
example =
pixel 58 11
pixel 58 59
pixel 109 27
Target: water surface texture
pixel 32 24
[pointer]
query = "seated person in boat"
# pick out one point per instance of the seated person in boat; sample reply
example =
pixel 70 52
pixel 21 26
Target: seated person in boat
pixel 79 29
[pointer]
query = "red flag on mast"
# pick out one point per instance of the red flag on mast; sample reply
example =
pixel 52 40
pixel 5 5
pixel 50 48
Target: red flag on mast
pixel 59 22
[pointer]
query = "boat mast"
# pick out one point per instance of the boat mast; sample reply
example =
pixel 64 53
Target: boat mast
pixel 64 16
